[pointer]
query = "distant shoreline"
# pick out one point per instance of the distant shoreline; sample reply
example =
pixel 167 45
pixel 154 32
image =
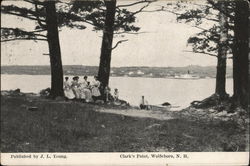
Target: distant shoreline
pixel 147 72
pixel 115 76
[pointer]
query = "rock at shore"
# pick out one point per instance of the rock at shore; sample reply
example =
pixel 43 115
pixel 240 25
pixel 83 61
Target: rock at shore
pixel 166 104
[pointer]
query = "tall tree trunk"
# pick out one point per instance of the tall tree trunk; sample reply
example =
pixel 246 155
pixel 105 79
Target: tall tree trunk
pixel 240 53
pixel 107 40
pixel 248 55
pixel 54 50
pixel 222 55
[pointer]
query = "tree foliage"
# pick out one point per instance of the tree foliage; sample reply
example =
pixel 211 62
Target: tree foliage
pixel 71 14
pixel 94 12
pixel 37 13
pixel 205 16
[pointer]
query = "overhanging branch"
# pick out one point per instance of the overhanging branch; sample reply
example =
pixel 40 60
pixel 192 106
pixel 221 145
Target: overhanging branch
pixel 16 33
pixel 202 52
pixel 132 4
pixel 40 35
pixel 178 14
pixel 34 1
pixel 126 32
pixel 134 13
pixel 119 42
pixel 41 30
pixel 7 40
pixel 16 14
pixel 18 11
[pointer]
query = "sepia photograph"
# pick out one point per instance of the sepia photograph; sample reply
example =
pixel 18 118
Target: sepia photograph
pixel 139 79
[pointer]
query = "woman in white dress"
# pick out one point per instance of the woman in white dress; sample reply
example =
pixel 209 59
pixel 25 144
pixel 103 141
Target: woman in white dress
pixel 68 93
pixel 82 86
pixel 76 87
pixel 95 88
pixel 87 90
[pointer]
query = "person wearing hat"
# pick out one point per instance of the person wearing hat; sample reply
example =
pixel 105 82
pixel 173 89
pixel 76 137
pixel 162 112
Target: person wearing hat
pixel 85 91
pixel 75 87
pixel 95 88
pixel 68 93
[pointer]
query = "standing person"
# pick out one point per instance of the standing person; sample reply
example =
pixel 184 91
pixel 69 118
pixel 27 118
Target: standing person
pixel 95 88
pixel 68 93
pixel 116 94
pixel 144 103
pixel 76 87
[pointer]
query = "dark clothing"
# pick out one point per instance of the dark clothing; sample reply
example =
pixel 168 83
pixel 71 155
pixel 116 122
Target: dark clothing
pixel 142 106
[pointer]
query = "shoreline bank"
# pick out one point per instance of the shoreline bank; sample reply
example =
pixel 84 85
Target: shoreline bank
pixel 31 123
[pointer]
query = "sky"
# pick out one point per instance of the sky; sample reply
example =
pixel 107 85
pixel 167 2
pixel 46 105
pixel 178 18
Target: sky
pixel 164 44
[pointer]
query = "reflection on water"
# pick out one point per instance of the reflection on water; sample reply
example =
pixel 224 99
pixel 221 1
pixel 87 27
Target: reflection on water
pixel 156 90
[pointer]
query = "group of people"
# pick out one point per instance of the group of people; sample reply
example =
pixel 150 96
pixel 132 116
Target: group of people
pixel 86 91
pixel 90 92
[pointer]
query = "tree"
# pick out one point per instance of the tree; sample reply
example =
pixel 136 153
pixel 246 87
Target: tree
pixel 220 88
pixel 106 49
pixel 248 58
pixel 213 41
pixel 241 54
pixel 90 12
pixel 113 20
pixel 238 14
pixel 113 23
pixel 48 19
pixel 54 50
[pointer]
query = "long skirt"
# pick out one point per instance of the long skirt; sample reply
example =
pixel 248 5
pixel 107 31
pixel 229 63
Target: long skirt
pixel 82 94
pixel 96 92
pixel 77 92
pixel 69 94
pixel 88 95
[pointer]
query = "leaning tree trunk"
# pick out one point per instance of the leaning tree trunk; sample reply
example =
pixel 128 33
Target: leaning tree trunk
pixel 240 54
pixel 54 50
pixel 106 49
pixel 222 55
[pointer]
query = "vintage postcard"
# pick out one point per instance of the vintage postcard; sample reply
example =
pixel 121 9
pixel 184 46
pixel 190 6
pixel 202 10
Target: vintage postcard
pixel 125 82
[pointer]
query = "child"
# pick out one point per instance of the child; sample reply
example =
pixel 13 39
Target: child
pixel 107 93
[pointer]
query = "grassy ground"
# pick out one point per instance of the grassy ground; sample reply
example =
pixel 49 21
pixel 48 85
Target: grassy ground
pixel 76 127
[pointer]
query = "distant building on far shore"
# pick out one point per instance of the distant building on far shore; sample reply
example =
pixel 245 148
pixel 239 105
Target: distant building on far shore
pixel 139 72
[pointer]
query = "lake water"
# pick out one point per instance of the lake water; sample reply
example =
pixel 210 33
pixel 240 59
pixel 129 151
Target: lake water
pixel 156 90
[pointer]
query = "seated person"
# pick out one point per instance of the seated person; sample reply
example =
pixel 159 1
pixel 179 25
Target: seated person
pixel 68 93
pixel 95 88
pixel 116 94
pixel 86 90
pixel 144 104
pixel 76 87
pixel 108 96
